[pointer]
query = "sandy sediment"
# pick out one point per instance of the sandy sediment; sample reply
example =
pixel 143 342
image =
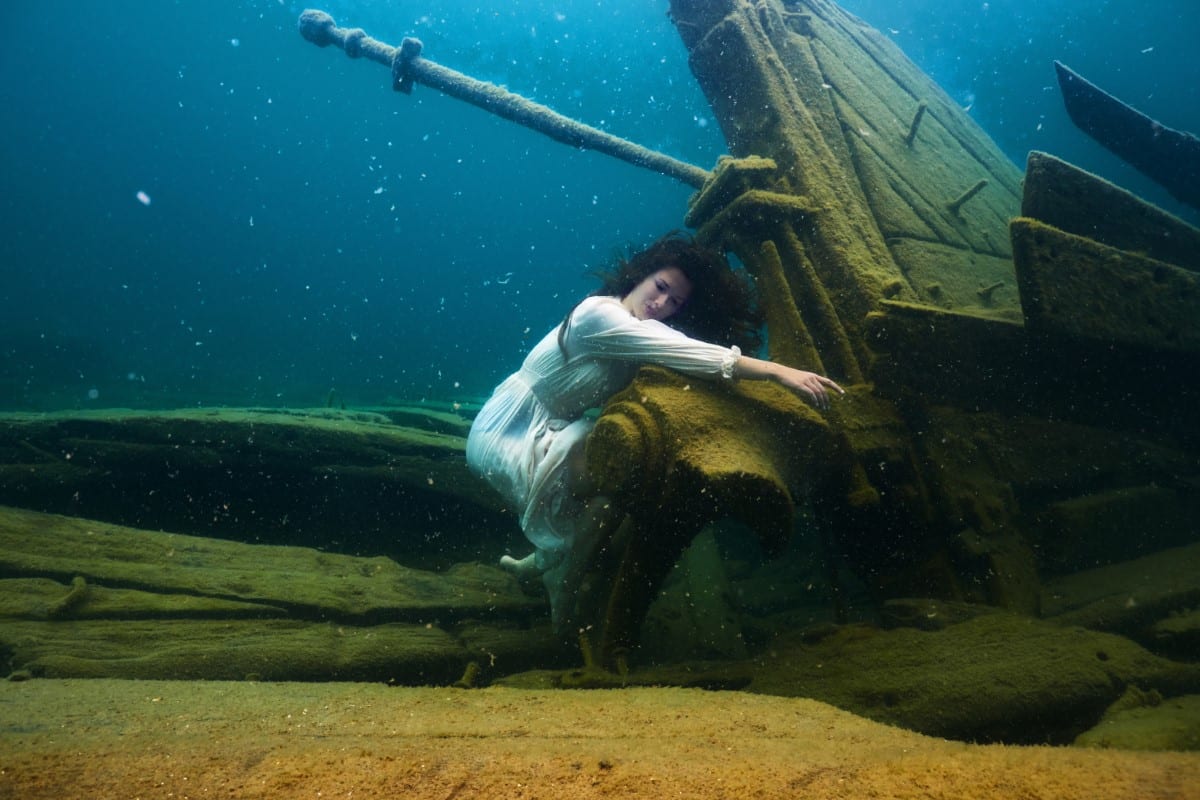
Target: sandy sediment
pixel 107 738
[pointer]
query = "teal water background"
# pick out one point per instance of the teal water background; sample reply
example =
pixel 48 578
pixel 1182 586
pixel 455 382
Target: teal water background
pixel 201 208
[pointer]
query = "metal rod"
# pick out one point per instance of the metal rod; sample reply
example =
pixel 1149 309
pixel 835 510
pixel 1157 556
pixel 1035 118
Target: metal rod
pixel 916 123
pixel 408 67
pixel 957 203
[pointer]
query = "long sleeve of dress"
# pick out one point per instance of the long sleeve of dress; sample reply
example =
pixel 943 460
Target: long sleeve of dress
pixel 602 328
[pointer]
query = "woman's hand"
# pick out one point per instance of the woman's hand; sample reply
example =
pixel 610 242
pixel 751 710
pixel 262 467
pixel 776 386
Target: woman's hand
pixel 815 388
pixel 809 384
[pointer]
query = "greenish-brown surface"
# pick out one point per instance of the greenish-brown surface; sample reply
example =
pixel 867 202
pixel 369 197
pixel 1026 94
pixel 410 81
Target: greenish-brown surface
pixel 157 739
pixel 1149 723
pixel 268 649
pixel 998 677
pixel 831 102
pixel 876 214
pixel 152 605
pixel 388 481
pixel 304 582
pixel 82 598
pixel 1077 288
pixel 1074 201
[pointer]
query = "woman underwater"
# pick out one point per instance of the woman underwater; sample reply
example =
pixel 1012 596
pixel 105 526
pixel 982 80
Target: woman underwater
pixel 527 440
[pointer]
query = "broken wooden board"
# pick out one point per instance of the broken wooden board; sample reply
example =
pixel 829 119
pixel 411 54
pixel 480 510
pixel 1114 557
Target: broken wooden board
pixel 271 650
pixel 1077 288
pixel 46 599
pixel 348 481
pixel 306 583
pixel 1169 157
pixel 80 598
pixel 1000 677
pixel 1114 525
pixel 979 363
pixel 1075 201
pixel 1130 597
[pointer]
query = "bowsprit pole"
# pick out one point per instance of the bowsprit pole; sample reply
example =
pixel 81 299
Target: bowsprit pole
pixel 408 68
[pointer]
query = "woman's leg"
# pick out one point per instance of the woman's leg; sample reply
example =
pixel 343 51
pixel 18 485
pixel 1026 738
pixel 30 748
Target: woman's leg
pixel 579 480
pixel 581 489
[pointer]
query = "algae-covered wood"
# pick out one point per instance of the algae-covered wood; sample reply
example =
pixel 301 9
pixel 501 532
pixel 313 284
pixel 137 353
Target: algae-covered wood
pixel 1080 289
pixel 998 677
pixel 1095 263
pixel 308 583
pixel 353 481
pixel 233 650
pixel 48 599
pixel 81 598
pixel 1128 597
pixel 1075 201
pixel 914 198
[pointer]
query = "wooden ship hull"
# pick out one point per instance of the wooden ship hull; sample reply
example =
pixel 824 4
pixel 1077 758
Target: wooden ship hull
pixel 1017 349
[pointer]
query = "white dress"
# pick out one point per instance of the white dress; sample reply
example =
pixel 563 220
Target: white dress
pixel 520 440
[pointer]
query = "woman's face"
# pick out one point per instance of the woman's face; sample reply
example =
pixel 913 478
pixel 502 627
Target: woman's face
pixel 659 295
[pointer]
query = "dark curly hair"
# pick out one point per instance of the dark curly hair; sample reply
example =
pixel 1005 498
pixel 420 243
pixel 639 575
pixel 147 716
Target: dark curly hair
pixel 722 308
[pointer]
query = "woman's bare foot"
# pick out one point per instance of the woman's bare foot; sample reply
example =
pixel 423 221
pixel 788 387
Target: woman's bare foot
pixel 526 567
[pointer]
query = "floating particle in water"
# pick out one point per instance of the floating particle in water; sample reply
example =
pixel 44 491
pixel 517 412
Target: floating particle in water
pixel 235 42
pixel 142 197
pixel 1148 50
pixel 93 393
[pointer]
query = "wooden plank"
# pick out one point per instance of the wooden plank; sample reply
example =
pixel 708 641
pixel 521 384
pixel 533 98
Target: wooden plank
pixel 1075 287
pixel 1091 529
pixel 339 480
pixel 959 279
pixel 926 176
pixel 306 582
pixel 1157 584
pixel 1062 195
pixel 46 599
pixel 275 650
pixel 1170 157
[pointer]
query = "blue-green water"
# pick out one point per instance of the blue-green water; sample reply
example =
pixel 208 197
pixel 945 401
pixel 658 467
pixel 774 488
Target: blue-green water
pixel 201 208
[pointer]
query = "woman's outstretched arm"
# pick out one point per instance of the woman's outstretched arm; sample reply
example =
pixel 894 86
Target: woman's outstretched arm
pixel 809 384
